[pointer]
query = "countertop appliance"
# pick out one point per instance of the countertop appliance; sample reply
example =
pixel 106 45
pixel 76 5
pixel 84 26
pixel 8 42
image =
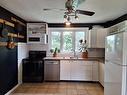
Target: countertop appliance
pixel 115 82
pixel 33 67
pixel 51 70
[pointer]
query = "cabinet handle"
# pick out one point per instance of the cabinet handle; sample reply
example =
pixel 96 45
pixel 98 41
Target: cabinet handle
pixel 47 38
pixel 52 63
pixel 49 62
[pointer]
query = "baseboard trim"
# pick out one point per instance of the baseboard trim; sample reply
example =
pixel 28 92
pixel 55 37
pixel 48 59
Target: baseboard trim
pixel 9 92
pixel 101 84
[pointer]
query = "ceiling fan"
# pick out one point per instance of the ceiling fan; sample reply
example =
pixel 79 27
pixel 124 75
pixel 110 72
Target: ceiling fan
pixel 71 9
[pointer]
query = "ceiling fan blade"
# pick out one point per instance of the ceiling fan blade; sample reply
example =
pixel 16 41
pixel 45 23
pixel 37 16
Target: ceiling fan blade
pixel 89 13
pixel 53 9
pixel 46 9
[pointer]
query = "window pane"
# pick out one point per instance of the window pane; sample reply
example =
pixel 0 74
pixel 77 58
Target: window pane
pixel 78 36
pixel 55 40
pixel 67 41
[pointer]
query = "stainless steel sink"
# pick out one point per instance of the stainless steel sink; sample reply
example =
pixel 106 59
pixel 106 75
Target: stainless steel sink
pixel 73 57
pixel 70 57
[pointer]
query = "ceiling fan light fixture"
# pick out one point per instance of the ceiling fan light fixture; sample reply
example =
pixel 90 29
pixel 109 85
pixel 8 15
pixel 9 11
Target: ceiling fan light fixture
pixel 76 17
pixel 65 16
pixel 68 23
pixel 68 19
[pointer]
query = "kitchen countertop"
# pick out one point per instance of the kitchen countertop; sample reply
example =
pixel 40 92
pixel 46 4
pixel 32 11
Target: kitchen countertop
pixel 101 59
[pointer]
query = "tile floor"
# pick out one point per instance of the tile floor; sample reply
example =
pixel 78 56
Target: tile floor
pixel 59 88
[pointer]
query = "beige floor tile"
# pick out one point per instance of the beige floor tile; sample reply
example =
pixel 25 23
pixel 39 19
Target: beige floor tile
pixel 53 86
pixel 60 93
pixel 41 91
pixel 95 92
pixel 59 88
pixel 80 92
pixel 52 91
pixel 71 87
pixel 20 90
pixel 72 92
pixel 62 86
pixel 81 87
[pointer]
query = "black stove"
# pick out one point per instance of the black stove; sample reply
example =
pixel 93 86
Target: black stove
pixel 33 67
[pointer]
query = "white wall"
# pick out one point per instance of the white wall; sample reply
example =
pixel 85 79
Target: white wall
pixel 22 53
pixel 38 47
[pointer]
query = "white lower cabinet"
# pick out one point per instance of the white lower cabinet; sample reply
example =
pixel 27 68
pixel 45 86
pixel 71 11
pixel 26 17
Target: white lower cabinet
pixel 65 71
pixel 101 73
pixel 95 71
pixel 78 70
pixel 81 70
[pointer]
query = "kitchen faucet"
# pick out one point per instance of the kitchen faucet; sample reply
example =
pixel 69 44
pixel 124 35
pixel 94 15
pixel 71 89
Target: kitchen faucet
pixel 74 53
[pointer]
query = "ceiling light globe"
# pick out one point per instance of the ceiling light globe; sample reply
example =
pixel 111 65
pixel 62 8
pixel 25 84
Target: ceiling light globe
pixel 68 23
pixel 76 17
pixel 65 16
pixel 68 19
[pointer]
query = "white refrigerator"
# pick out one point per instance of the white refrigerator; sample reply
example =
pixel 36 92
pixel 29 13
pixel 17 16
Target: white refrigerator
pixel 115 78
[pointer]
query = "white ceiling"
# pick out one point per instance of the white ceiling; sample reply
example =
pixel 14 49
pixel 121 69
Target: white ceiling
pixel 32 10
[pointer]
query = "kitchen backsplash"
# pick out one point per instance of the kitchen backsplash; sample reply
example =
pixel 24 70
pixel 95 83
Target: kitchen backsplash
pixel 96 52
pixel 92 52
pixel 38 47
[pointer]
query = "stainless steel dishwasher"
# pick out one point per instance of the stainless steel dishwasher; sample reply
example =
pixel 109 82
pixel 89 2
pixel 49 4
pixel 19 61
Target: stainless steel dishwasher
pixel 51 70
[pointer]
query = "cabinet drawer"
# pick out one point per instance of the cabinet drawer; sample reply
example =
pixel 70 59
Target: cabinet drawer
pixel 82 77
pixel 89 63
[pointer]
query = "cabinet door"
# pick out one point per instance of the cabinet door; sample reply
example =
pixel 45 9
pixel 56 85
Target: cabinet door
pixel 100 41
pixel 65 70
pixel 86 67
pixel 76 72
pixel 51 70
pixel 95 70
pixel 101 73
pixel 93 39
pixel 81 70
pixel 97 37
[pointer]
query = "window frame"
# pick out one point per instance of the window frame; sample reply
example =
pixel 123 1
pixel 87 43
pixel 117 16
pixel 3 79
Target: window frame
pixel 73 36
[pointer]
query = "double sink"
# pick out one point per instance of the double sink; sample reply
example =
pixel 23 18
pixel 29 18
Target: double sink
pixel 71 57
pixel 66 58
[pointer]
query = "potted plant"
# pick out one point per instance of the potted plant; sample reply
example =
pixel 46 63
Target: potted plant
pixel 55 51
pixel 83 48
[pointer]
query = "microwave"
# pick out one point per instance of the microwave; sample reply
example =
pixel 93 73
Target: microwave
pixel 40 40
pixel 37 33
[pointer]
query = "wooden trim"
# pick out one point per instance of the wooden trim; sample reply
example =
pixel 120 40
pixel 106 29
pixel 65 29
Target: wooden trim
pixel 12 35
pixel 115 21
pixel 5 44
pixel 7 22
pixel 8 93
pixel 73 25
pixel 15 20
pixel 16 35
pixel 20 36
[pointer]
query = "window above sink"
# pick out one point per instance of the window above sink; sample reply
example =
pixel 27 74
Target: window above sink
pixel 66 39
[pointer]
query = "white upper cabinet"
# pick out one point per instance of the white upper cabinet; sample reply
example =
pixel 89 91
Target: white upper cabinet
pixel 97 37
